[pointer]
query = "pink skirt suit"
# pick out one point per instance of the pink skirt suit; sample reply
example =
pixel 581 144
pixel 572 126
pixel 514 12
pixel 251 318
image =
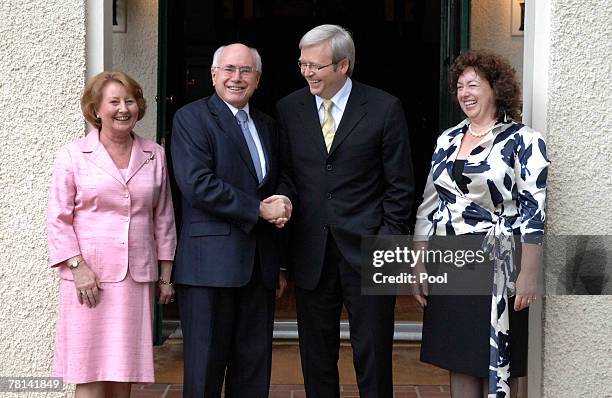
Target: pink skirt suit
pixel 121 224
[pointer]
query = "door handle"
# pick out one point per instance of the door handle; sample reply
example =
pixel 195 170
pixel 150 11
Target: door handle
pixel 170 99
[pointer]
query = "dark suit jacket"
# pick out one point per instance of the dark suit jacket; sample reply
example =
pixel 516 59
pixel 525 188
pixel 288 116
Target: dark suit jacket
pixel 364 186
pixel 221 228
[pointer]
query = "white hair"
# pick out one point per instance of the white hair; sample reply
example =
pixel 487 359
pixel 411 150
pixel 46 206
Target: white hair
pixel 219 51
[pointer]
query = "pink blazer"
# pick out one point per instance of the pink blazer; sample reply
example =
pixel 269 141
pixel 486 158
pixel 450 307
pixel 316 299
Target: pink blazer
pixel 116 224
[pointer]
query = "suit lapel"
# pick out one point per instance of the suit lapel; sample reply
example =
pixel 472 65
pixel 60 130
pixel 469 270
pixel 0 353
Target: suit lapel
pixel 356 109
pixel 309 115
pixel 228 124
pixel 100 157
pixel 138 158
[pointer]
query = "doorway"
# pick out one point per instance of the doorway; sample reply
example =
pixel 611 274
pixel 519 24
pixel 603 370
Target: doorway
pixel 402 47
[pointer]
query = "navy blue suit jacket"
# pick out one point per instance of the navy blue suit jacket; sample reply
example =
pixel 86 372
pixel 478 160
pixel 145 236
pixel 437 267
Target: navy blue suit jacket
pixel 221 228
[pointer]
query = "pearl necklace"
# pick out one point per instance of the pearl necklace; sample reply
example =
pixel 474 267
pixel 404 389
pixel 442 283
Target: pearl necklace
pixel 478 135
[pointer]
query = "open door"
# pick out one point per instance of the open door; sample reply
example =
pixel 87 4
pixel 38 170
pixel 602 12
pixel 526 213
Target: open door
pixel 167 101
pixel 454 38
pixel 399 49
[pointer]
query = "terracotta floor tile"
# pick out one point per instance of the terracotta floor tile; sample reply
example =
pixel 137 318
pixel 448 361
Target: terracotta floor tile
pixel 147 393
pixel 286 367
pixel 280 394
pixel 297 391
pixel 429 389
pixel 284 387
pixel 154 386
pixel 400 388
pixel 349 388
pixel 406 394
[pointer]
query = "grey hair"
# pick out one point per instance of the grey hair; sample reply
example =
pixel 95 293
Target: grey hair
pixel 219 51
pixel 340 39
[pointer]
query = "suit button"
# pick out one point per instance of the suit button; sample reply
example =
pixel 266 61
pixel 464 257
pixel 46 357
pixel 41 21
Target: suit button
pixel 329 167
pixel 329 195
pixel 325 226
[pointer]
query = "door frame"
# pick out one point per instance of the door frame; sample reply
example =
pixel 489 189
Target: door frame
pixel 454 37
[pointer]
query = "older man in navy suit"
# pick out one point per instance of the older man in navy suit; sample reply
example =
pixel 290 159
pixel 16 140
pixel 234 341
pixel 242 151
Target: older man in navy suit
pixel 349 174
pixel 225 157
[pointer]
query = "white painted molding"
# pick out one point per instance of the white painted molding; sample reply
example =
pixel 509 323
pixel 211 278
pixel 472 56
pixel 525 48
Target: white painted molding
pixel 536 56
pixel 99 45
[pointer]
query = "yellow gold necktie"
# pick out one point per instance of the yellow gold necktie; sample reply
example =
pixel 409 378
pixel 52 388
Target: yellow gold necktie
pixel 328 124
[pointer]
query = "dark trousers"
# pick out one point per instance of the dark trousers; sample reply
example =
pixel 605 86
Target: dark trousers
pixel 227 332
pixel 371 320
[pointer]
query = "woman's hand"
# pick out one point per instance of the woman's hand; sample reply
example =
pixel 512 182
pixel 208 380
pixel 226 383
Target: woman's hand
pixel 526 284
pixel 166 293
pixel 87 285
pixel 421 288
pixel 527 280
pixel 166 289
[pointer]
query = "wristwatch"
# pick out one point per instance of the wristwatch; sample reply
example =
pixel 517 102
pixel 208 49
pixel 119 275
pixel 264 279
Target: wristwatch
pixel 74 263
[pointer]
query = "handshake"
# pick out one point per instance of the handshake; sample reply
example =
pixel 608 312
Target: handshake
pixel 276 209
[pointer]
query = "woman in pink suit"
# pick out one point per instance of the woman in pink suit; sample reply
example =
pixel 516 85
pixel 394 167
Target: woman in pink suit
pixel 110 223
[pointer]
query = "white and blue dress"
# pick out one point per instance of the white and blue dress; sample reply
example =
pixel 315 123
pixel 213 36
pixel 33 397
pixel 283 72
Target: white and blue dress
pixel 498 192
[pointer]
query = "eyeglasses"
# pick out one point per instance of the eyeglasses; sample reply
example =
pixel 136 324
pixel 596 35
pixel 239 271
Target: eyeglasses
pixel 231 69
pixel 312 67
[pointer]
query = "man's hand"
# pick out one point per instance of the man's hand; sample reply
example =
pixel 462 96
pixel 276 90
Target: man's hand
pixel 276 209
pixel 282 284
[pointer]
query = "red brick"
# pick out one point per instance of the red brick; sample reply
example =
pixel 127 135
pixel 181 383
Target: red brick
pixel 147 394
pixel 427 389
pixel 286 387
pixel 155 386
pixel 411 394
pixel 397 388
pixel 280 394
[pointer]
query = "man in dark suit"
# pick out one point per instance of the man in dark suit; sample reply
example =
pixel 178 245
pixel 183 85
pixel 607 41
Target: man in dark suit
pixel 348 173
pixel 225 157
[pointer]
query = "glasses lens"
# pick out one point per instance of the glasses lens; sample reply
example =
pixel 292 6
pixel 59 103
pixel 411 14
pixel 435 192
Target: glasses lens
pixel 231 69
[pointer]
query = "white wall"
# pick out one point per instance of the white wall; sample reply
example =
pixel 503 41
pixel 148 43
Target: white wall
pixel 490 30
pixel 578 329
pixel 135 52
pixel 42 69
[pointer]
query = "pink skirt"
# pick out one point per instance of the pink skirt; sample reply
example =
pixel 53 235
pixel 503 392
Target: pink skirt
pixel 112 342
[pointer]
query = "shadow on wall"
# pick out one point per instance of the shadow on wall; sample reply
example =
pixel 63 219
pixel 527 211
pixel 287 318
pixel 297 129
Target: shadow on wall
pixel 580 265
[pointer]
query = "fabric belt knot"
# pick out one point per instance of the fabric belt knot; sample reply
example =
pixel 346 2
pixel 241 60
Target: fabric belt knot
pixel 328 124
pixel 243 118
pixel 499 245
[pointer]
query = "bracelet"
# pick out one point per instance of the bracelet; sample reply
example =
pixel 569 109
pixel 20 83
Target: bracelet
pixel 162 281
